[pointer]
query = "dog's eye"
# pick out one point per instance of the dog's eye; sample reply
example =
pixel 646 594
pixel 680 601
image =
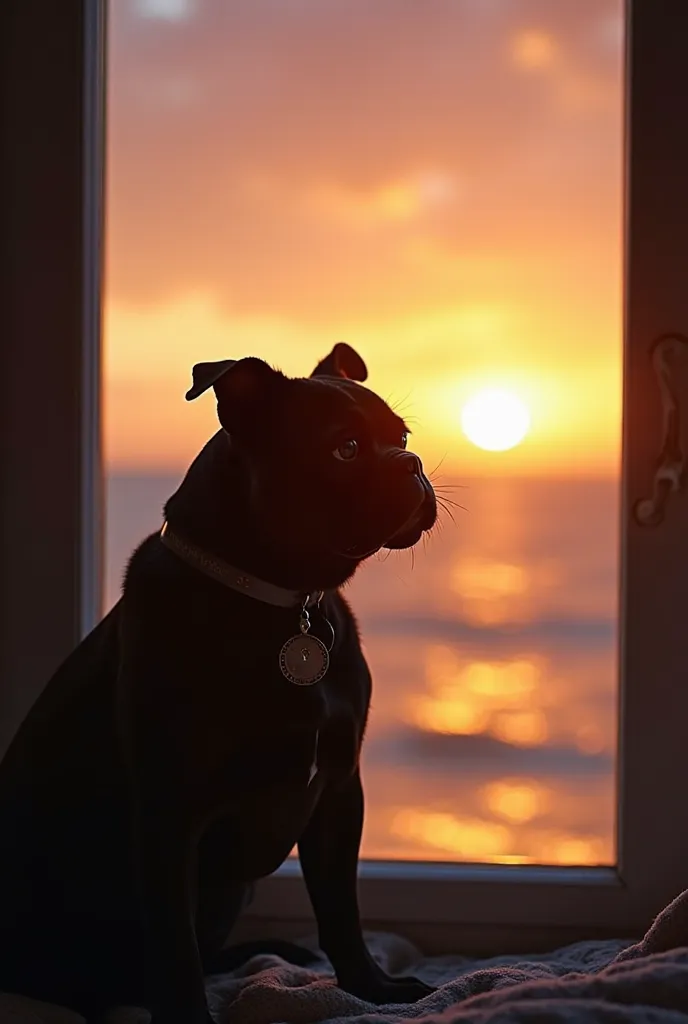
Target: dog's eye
pixel 404 439
pixel 347 451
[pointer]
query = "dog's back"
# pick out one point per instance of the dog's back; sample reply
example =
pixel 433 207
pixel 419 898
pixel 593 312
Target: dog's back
pixel 64 829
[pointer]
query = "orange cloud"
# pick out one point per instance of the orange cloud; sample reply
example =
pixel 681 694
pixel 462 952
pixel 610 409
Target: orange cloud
pixel 534 49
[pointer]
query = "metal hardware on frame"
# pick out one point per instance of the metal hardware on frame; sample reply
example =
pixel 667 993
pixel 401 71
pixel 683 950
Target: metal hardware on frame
pixel 670 473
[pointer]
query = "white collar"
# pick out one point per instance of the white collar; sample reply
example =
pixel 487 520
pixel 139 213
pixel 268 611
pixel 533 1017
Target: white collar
pixel 237 579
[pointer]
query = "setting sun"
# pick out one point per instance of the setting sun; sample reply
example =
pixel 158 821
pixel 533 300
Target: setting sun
pixel 495 420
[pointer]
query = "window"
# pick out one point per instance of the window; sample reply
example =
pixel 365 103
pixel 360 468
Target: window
pixel 278 180
pixel 476 902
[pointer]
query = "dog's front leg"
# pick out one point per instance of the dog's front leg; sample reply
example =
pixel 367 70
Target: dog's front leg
pixel 328 851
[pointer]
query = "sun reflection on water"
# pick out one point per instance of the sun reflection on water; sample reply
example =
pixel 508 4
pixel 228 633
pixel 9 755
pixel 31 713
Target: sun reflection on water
pixel 495 698
pixel 467 838
pixel 523 728
pixel 481 840
pixel 491 591
pixel 522 701
pixel 516 801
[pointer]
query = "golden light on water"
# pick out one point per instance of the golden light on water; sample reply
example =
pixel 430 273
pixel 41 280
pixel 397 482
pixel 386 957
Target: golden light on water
pixel 483 841
pixel 575 850
pixel 490 591
pixel 514 700
pixel 516 801
pixel 476 580
pixel 509 681
pixel 469 839
pixel 480 697
pixel 590 738
pixel 522 728
pixel 453 716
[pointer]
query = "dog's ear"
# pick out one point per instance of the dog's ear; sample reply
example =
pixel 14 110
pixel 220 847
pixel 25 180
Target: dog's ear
pixel 242 387
pixel 342 361
pixel 204 375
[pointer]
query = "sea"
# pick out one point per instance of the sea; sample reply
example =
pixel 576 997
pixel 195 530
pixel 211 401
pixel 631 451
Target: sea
pixel 493 648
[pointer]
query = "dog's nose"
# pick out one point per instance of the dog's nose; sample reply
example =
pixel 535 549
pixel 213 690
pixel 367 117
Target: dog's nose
pixel 412 463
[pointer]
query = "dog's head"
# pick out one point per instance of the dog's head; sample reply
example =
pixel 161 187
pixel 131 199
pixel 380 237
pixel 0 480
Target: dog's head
pixel 331 479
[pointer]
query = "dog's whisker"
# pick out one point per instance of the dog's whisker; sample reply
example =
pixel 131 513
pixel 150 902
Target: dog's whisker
pixel 448 502
pixel 433 471
pixel 402 579
pixel 443 508
pixel 445 497
pixel 447 505
pixel 436 527
pixel 402 408
pixel 400 402
pixel 449 513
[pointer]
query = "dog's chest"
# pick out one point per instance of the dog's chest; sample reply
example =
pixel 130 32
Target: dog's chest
pixel 245 700
pixel 288 742
pixel 286 757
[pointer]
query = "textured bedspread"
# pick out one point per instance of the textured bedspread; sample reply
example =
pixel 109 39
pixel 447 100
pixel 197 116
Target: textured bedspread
pixel 608 982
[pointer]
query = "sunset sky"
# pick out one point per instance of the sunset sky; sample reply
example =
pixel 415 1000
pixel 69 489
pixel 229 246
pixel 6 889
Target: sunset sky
pixel 436 183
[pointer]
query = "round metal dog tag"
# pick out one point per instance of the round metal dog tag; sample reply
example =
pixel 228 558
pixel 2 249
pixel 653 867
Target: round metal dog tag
pixel 304 660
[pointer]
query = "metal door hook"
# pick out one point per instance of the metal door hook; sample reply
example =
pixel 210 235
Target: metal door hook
pixel 671 464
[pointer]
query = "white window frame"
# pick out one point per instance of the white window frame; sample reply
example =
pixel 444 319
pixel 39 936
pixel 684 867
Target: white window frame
pixel 51 480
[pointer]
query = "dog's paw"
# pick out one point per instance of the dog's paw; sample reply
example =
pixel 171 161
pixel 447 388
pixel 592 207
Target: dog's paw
pixel 382 989
pixel 408 989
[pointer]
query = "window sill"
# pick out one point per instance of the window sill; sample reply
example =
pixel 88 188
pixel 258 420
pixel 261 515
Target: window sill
pixel 478 909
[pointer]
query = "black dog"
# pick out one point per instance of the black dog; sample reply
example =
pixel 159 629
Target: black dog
pixel 198 732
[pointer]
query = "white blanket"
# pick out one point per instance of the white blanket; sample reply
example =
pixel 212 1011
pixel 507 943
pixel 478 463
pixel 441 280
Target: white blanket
pixel 604 982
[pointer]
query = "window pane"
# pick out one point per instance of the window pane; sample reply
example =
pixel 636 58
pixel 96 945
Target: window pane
pixel 438 184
